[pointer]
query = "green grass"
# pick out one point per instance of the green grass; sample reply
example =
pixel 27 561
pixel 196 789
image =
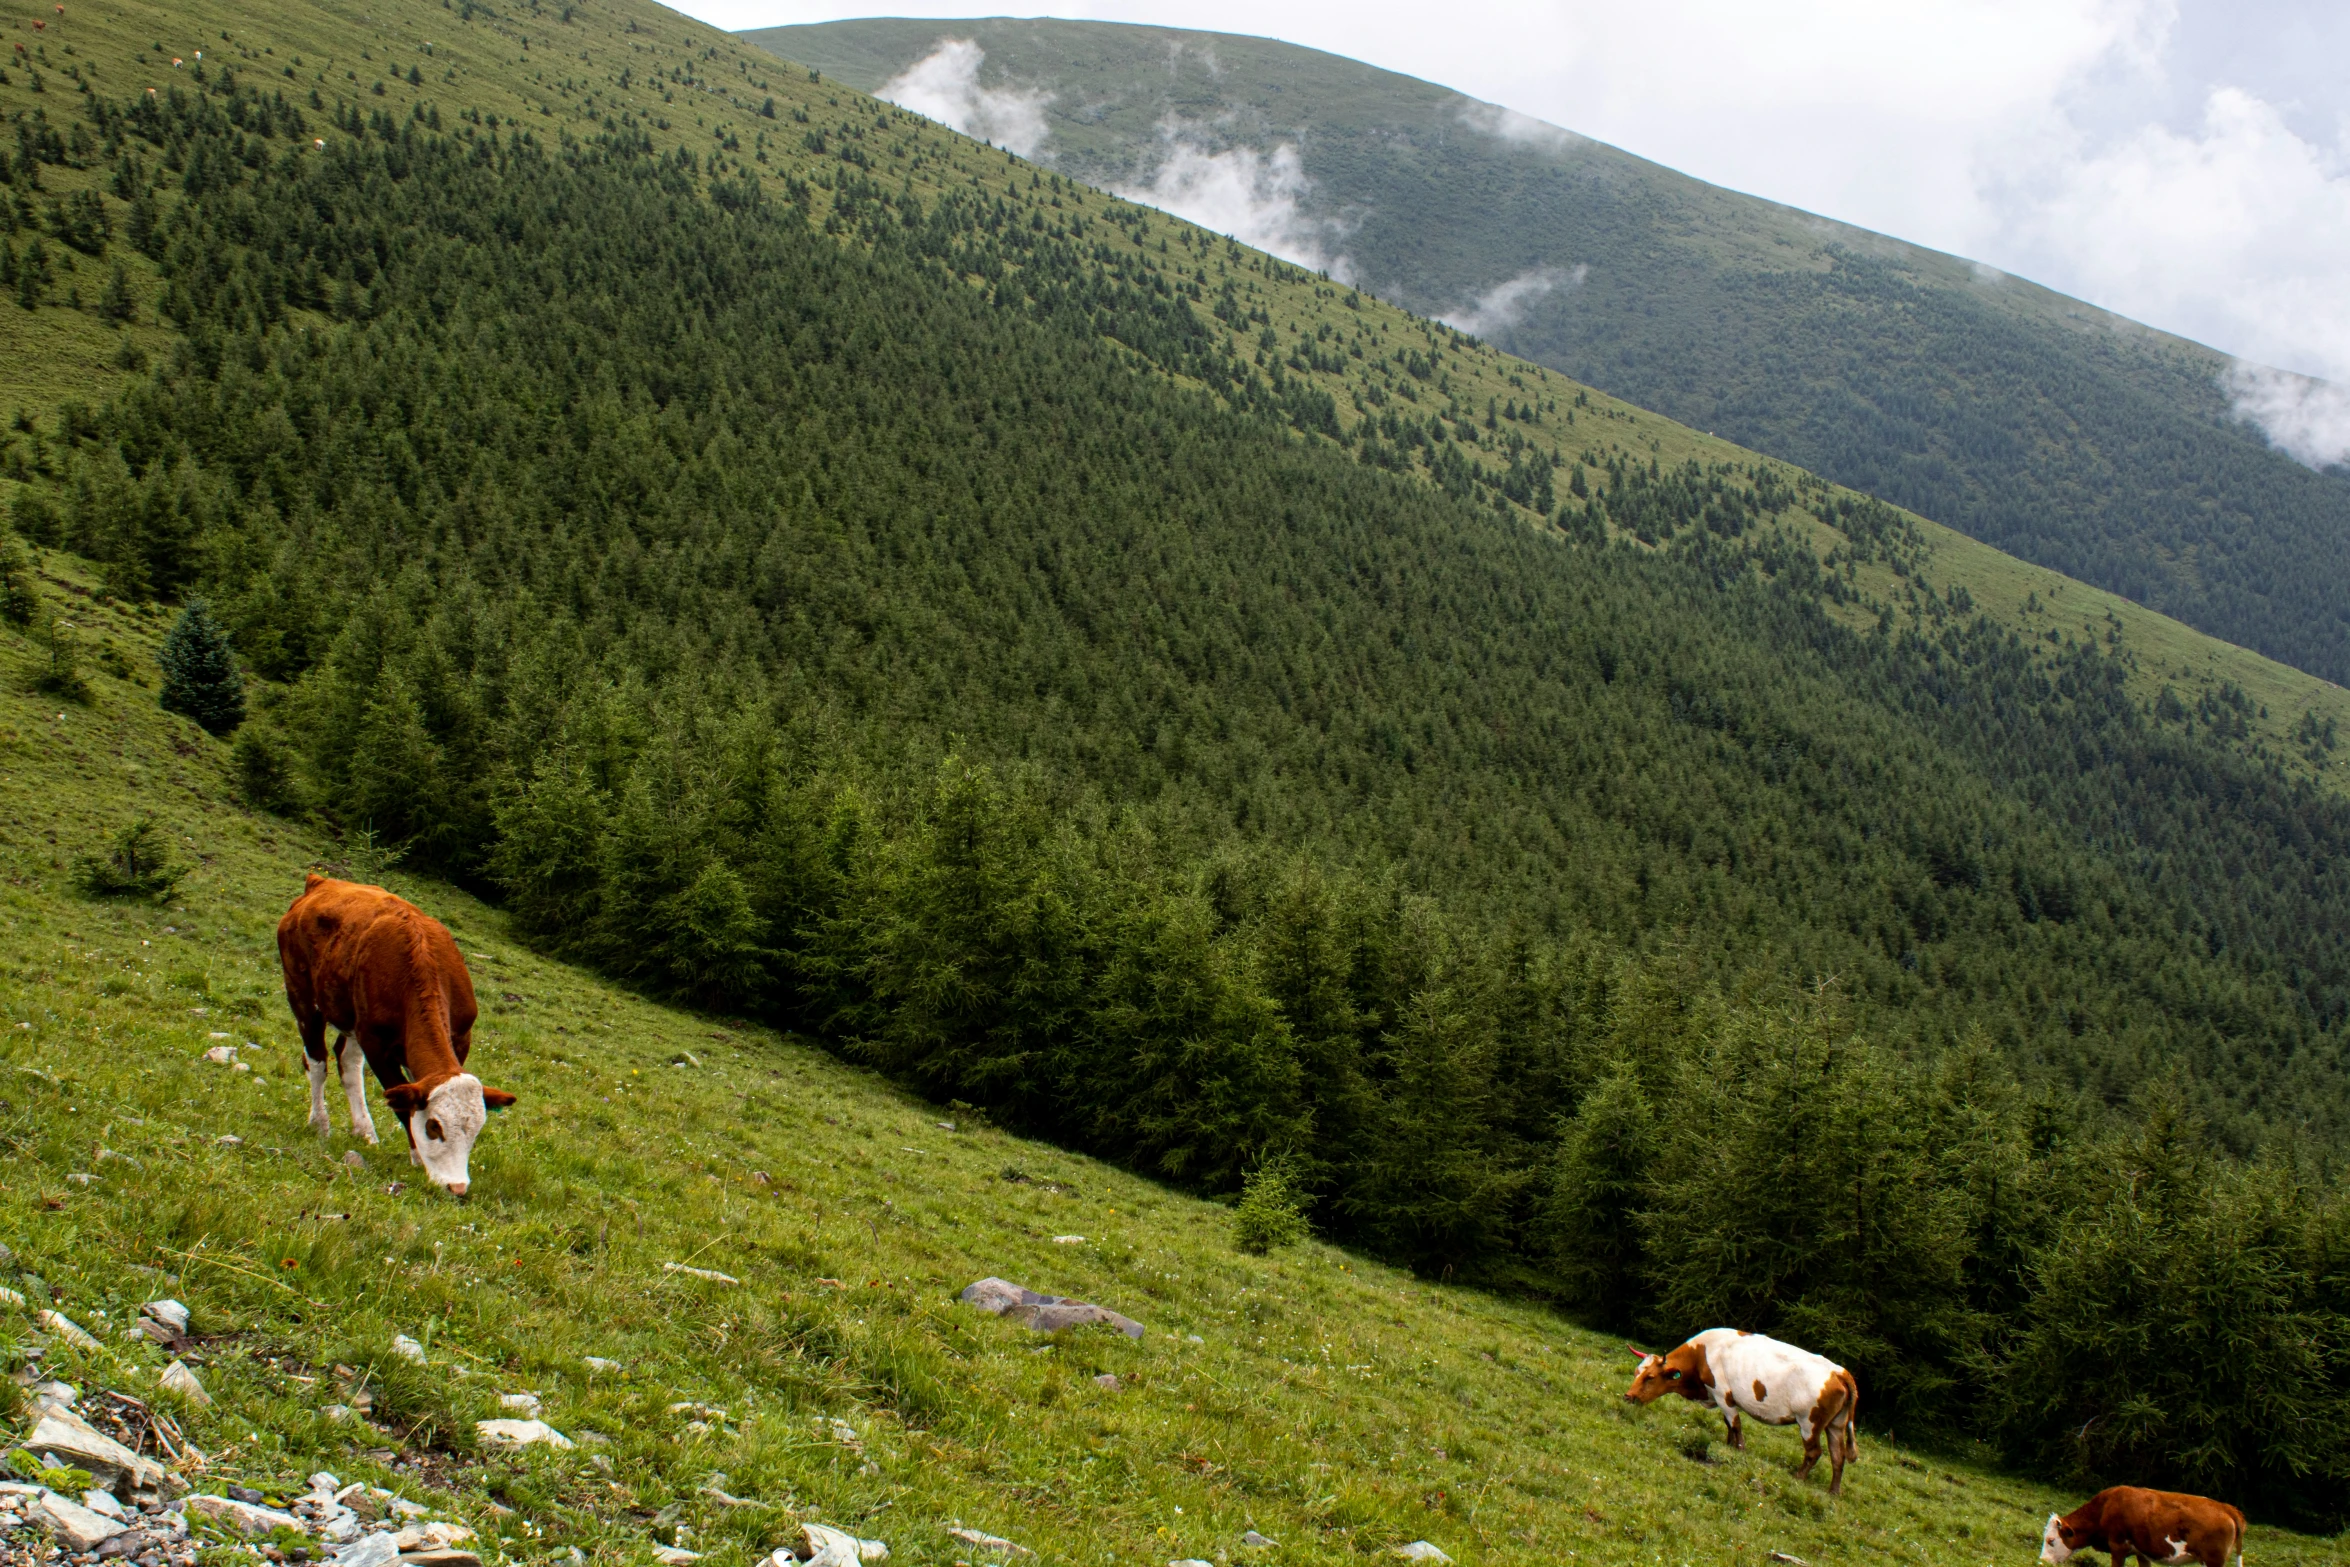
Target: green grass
pixel 1336 1405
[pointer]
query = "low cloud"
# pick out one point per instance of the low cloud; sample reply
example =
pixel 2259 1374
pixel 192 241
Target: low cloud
pixel 2305 418
pixel 1257 198
pixel 1504 305
pixel 944 86
pixel 1519 130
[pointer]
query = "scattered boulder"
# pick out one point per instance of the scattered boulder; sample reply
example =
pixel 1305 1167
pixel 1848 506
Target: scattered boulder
pixel 1068 1240
pixel 1043 1313
pixel 369 1550
pixel 1421 1551
pixel 182 1381
pixel 710 1275
pixel 519 1433
pixel 1256 1541
pixel 77 1527
pixel 987 1542
pixel 248 1518
pixel 601 1366
pixel 222 1055
pixel 104 1505
pixel 65 1328
pixel 407 1349
pixel 170 1313
pixel 1109 1380
pixel 829 1547
pixel 673 1556
pixel 523 1404
pixel 80 1445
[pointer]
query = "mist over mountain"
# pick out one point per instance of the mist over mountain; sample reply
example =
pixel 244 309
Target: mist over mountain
pixel 2147 464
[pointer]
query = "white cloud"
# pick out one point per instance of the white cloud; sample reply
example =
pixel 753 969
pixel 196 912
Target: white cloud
pixel 1520 130
pixel 1256 198
pixel 1500 307
pixel 2306 419
pixel 944 86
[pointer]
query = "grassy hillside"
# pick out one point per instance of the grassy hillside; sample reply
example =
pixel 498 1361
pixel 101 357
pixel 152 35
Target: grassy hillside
pixel 2055 431
pixel 1335 1405
pixel 817 565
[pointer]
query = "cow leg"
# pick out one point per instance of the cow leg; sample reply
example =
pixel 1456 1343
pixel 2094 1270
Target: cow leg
pixel 316 1066
pixel 354 1063
pixel 1835 1463
pixel 1811 1454
pixel 1737 1426
pixel 312 1027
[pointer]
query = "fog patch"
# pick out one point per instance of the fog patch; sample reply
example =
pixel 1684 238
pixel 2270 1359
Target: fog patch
pixel 944 86
pixel 1504 304
pixel 1257 198
pixel 2305 418
pixel 1519 130
pixel 1986 274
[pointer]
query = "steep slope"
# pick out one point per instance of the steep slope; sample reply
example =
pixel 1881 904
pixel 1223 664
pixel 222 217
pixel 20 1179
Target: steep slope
pixel 2062 434
pixel 817 564
pixel 1336 1405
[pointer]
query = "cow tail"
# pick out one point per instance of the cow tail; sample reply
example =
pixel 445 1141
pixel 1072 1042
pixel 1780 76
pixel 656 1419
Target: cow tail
pixel 1851 1418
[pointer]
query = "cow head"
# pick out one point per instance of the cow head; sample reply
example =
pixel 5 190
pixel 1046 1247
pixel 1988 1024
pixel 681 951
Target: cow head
pixel 1681 1371
pixel 443 1119
pixel 2058 1541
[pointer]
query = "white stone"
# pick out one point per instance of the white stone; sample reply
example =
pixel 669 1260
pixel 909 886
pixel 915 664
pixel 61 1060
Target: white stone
pixel 244 1517
pixel 525 1404
pixel 1190 1561
pixel 82 1445
pixel 1257 1541
pixel 221 1055
pixel 340 1529
pixel 987 1542
pixel 65 1328
pixel 1421 1551
pixel 601 1366
pixel 228 1140
pixel 103 1504
pixel 671 1556
pixel 710 1274
pixel 431 1536
pixel 830 1547
pixel 407 1348
pixel 519 1433
pixel 179 1379
pixel 369 1550
pixel 10 1296
pixel 1068 1240
pixel 76 1527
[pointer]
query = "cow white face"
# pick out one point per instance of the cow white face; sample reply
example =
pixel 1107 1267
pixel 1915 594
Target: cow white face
pixel 2052 1542
pixel 452 1116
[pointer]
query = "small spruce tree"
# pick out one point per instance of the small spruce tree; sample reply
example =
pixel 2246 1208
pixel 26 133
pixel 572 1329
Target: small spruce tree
pixel 1271 1214
pixel 200 675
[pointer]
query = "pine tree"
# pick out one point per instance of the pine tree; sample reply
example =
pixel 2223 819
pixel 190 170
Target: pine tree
pixel 200 675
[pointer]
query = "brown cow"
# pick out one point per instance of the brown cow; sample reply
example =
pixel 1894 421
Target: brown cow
pixel 2157 1526
pixel 379 967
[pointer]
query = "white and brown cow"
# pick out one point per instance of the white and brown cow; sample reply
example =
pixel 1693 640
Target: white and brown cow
pixel 1744 1374
pixel 2157 1526
pixel 381 970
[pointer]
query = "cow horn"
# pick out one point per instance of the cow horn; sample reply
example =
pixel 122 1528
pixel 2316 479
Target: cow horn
pixel 1637 1350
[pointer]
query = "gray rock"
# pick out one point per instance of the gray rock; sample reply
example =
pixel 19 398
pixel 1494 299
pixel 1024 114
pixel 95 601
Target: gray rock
pixel 519 1433
pixel 1043 1313
pixel 987 1542
pixel 445 1557
pixel 1108 1380
pixel 1190 1561
pixel 601 1366
pixel 407 1349
pixel 250 1518
pixel 65 1328
pixel 369 1550
pixel 1421 1551
pixel 104 1505
pixel 1256 1541
pixel 128 1543
pixel 170 1313
pixel 73 1439
pixel 179 1379
pixel 76 1527
pixel 523 1404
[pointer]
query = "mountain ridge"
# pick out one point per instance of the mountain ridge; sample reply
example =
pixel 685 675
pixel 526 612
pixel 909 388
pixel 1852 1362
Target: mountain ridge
pixel 2110 452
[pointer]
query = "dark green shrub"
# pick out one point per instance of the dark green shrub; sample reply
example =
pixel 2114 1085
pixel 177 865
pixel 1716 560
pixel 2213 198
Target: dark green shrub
pixel 1271 1214
pixel 265 772
pixel 20 600
pixel 138 865
pixel 200 675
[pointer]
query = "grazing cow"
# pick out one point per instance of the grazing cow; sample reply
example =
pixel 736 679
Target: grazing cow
pixel 380 968
pixel 1743 1373
pixel 2156 1526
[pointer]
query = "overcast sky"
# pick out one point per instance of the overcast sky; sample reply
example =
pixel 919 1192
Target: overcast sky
pixel 2185 162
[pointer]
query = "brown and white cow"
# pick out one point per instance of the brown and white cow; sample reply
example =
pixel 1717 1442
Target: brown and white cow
pixel 379 968
pixel 1743 1374
pixel 2155 1526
